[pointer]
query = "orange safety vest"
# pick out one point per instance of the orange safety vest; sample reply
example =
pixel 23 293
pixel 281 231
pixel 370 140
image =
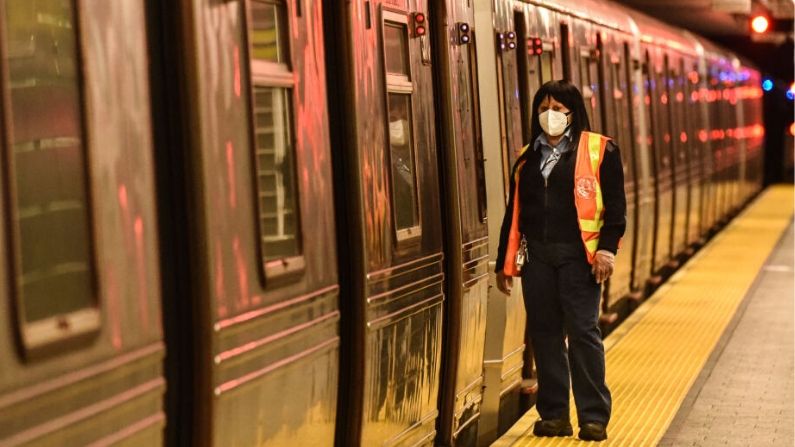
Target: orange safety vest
pixel 587 199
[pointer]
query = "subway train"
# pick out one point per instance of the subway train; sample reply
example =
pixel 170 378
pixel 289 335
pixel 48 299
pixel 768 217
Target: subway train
pixel 273 222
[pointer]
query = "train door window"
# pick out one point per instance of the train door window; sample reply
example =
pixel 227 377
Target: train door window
pixel 620 112
pixel 47 175
pixel 664 116
pixel 508 156
pixel 480 158
pixel 269 38
pixel 603 93
pixel 564 51
pixel 524 69
pixel 545 62
pixel 400 88
pixel 678 112
pixel 272 85
pixel 648 113
pixel 694 115
pixel 590 87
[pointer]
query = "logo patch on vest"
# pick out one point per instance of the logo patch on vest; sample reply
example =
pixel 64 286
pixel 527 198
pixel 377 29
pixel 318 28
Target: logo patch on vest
pixel 586 187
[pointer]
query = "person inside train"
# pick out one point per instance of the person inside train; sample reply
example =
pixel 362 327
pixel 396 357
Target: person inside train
pixel 561 231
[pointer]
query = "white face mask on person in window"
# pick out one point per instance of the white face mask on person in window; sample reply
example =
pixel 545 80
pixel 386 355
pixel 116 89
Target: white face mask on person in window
pixel 553 122
pixel 398 132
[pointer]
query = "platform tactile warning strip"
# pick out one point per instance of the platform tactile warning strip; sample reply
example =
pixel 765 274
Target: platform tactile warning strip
pixel 657 354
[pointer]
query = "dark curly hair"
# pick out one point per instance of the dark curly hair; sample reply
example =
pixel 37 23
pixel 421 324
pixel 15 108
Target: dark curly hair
pixel 567 94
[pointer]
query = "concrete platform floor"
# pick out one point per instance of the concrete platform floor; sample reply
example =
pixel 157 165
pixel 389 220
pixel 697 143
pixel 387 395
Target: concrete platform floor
pixel 744 395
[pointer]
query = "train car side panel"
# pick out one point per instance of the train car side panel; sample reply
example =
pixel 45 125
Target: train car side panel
pixel 77 141
pixel 263 197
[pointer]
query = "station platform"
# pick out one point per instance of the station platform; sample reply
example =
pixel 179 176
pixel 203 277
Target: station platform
pixel 708 358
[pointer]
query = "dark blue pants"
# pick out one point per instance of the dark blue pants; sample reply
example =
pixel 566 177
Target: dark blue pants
pixel 562 299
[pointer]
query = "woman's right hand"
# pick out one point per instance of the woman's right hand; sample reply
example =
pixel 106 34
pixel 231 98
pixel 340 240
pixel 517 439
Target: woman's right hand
pixel 504 282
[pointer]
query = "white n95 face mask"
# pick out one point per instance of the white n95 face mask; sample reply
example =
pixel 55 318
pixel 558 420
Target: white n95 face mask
pixel 553 122
pixel 397 132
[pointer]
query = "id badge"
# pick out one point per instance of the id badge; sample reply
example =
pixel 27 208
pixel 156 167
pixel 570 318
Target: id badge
pixel 521 254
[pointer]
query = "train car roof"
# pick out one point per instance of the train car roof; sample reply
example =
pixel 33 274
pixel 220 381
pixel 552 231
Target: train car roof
pixel 659 33
pixel 714 52
pixel 646 28
pixel 600 12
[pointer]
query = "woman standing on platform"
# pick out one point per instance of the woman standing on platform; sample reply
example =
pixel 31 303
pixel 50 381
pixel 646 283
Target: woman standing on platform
pixel 561 231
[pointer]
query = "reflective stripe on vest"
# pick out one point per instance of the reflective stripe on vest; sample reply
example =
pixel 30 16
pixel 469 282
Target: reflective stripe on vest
pixel 588 190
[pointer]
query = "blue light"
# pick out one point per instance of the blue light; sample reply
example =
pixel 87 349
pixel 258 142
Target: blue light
pixel 767 85
pixel 790 95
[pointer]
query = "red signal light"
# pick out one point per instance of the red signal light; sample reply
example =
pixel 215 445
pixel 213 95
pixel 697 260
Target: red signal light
pixel 535 46
pixel 420 28
pixel 760 24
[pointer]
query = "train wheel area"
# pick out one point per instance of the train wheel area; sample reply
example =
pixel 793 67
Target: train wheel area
pixel 707 360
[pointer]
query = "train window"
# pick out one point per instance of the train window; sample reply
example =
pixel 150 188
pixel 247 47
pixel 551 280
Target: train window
pixel 269 38
pixel 46 159
pixel 403 173
pixel 523 71
pixel 545 60
pixel 678 113
pixel 277 200
pixel 405 197
pixel 275 163
pixel 565 51
pixel 621 112
pixel 396 49
pixel 663 115
pixel 647 113
pixel 590 89
pixel 480 159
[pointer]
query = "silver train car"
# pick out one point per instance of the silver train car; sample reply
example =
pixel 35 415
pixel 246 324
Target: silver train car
pixel 272 222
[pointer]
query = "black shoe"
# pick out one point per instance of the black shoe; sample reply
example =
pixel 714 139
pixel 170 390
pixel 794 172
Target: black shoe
pixel 593 431
pixel 552 427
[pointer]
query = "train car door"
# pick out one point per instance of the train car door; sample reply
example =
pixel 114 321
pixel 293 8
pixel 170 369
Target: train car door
pixel 657 102
pixel 704 137
pixel 618 121
pixel 693 126
pixel 500 108
pixel 751 130
pixel 716 150
pixel 392 263
pixel 643 141
pixel 680 159
pixel 81 341
pixel 536 33
pixel 258 328
pixel 734 149
pixel 465 226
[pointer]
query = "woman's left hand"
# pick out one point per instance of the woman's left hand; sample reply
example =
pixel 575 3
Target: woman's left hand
pixel 603 264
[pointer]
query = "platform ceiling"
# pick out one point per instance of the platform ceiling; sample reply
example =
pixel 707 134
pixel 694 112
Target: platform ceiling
pixel 730 30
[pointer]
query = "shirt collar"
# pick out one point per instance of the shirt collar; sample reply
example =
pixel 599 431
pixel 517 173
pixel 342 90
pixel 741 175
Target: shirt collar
pixel 542 140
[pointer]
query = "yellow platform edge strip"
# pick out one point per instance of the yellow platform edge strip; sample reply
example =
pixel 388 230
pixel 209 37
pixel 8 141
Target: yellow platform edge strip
pixel 654 357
